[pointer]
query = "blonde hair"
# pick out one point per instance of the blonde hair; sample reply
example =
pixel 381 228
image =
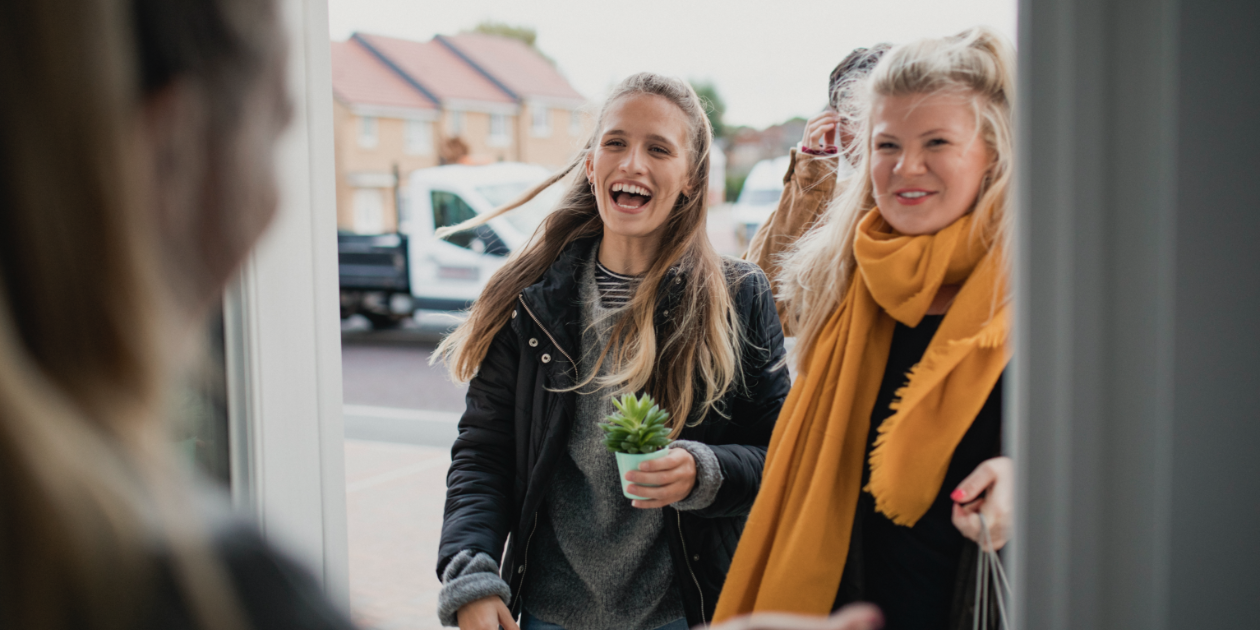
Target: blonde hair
pixel 91 499
pixel 698 345
pixel 977 63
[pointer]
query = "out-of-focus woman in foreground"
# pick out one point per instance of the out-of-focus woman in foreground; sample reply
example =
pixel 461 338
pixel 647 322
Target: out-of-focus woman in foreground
pixel 136 143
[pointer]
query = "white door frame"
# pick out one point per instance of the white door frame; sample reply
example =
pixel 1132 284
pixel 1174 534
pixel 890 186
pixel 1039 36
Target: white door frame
pixel 282 333
pixel 1136 388
pixel 1092 411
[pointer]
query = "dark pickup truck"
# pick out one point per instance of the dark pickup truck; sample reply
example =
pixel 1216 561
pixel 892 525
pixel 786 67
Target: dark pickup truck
pixel 375 277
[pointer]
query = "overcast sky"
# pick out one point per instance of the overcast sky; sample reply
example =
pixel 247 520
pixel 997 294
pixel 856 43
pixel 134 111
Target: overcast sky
pixel 768 59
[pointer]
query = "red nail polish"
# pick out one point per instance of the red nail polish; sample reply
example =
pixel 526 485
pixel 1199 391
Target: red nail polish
pixel 957 495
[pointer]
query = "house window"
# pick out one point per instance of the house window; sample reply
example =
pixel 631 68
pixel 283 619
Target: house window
pixel 575 123
pixel 455 124
pixel 500 133
pixel 419 137
pixel 368 136
pixel 541 119
pixel 369 211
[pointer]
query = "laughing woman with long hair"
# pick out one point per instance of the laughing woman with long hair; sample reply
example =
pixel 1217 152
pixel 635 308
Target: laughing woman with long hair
pixel 889 447
pixel 619 291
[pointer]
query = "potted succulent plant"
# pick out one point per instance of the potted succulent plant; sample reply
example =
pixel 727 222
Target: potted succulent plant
pixel 636 433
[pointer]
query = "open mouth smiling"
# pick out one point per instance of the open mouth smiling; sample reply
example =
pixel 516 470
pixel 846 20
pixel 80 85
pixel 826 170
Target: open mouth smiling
pixel 629 196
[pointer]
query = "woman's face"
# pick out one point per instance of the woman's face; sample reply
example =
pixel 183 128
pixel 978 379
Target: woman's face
pixel 927 160
pixel 215 182
pixel 640 164
pixel 247 172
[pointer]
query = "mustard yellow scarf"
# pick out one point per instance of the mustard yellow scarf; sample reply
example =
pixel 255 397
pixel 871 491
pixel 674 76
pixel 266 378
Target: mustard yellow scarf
pixel 794 546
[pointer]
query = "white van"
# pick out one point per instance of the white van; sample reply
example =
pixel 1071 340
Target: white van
pixel 448 274
pixel 759 196
pixel 389 277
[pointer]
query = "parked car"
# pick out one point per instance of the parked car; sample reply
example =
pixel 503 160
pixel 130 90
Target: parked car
pixel 759 197
pixel 387 277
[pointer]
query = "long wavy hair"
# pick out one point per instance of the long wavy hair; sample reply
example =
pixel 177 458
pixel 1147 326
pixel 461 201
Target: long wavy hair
pixel 692 361
pixel 91 500
pixel 977 63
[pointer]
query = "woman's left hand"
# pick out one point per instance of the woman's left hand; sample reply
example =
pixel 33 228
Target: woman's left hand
pixel 674 474
pixel 988 490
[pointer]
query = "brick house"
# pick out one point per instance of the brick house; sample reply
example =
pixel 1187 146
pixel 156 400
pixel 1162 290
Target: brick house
pixel 401 105
pixel 383 128
pixel 553 123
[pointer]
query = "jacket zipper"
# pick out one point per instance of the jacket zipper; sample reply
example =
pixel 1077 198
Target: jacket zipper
pixel 687 561
pixel 520 588
pixel 528 541
pixel 681 538
pixel 545 331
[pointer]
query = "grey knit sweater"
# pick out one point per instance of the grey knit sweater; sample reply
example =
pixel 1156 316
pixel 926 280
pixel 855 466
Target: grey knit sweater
pixel 596 562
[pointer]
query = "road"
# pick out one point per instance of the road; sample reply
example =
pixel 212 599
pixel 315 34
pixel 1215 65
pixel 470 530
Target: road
pixel 400 421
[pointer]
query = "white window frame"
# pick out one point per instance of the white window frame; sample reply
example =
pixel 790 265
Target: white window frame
pixel 418 137
pixel 540 121
pixel 575 123
pixel 369 132
pixel 500 131
pixel 283 337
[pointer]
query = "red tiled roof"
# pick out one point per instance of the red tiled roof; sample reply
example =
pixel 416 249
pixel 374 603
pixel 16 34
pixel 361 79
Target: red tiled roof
pixel 438 69
pixel 515 65
pixel 360 78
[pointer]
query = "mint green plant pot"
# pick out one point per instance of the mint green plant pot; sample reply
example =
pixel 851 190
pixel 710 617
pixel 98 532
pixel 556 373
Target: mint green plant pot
pixel 627 462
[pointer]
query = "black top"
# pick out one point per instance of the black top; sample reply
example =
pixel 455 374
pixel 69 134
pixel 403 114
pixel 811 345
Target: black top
pixel 615 289
pixel 272 590
pixel 911 572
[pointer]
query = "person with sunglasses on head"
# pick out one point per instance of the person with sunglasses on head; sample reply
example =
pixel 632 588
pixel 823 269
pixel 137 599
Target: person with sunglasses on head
pixel 816 169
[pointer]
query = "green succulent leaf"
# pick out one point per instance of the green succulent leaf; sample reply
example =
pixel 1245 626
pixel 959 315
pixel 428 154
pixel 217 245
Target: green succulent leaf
pixel 638 426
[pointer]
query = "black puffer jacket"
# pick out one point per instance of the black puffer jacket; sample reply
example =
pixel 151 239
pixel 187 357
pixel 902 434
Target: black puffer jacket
pixel 517 425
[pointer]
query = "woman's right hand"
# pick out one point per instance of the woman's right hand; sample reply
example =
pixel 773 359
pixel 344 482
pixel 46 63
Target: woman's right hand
pixel 820 131
pixel 487 613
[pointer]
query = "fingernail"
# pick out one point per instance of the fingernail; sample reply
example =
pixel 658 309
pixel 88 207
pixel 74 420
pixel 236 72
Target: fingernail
pixel 958 495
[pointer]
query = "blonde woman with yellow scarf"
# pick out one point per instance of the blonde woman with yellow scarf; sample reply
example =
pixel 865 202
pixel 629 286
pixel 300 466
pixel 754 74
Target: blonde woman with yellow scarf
pixel 890 440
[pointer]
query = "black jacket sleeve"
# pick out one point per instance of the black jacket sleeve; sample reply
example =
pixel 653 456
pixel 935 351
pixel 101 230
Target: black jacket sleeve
pixel 272 590
pixel 479 495
pixel 741 447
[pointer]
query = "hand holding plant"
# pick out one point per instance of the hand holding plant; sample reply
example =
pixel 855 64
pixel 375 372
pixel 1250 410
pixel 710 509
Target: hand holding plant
pixel 637 433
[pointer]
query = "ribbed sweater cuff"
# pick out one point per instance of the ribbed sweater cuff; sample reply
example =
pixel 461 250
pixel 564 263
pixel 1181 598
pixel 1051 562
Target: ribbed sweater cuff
pixel 468 578
pixel 708 476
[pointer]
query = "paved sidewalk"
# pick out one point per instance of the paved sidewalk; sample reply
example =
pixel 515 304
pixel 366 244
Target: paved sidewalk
pixel 394 498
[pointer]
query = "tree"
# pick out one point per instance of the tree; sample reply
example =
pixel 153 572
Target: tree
pixel 714 106
pixel 526 34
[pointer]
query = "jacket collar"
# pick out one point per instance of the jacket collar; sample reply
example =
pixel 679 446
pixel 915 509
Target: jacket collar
pixel 553 299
